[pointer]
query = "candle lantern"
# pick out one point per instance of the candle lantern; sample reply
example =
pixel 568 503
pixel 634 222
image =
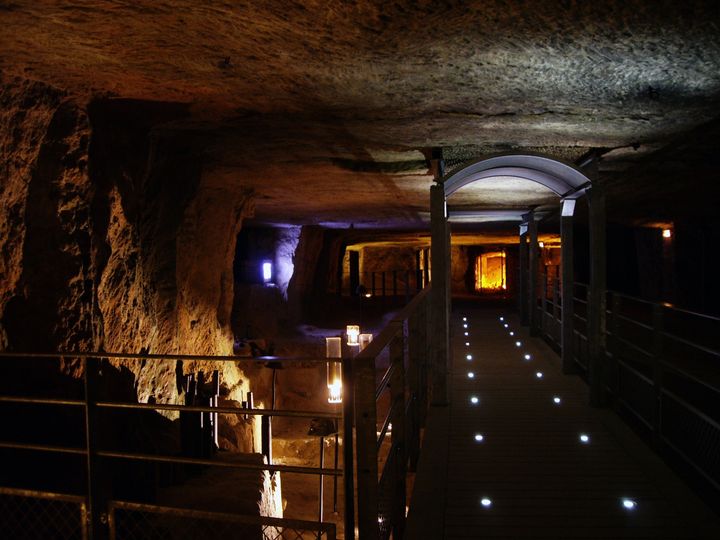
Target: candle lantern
pixel 353 333
pixel 333 349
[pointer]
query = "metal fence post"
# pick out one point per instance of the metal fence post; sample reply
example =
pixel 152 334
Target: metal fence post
pixel 363 370
pixel 610 344
pixel 97 503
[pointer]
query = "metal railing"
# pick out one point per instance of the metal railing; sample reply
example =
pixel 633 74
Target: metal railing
pixel 391 283
pixel 660 371
pixel 96 501
pixel 95 512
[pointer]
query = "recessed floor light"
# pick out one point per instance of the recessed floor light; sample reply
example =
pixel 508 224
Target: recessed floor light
pixel 464 318
pixel 539 375
pixel 469 356
pixel 584 438
pixel 467 334
pixel 629 504
pixel 487 503
pixel 556 400
pixel 464 325
pixel 474 400
pixel 506 325
pixel 512 333
pixel 502 318
pixel 467 343
pixel 479 437
pixel 471 375
pixel 518 343
pixel 528 357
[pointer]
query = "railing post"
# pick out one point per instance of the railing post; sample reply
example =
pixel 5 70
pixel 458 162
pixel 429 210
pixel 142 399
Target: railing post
pixel 398 437
pixel 366 433
pixel 348 454
pixel 415 349
pixel 657 371
pixel 532 274
pixel 567 330
pixel 610 344
pixel 97 504
pixel 543 303
pixel 596 320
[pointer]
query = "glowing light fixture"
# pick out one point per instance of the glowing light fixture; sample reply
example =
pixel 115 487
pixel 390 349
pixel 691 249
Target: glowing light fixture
pixel 364 340
pixel 467 343
pixel 471 375
pixel 506 325
pixel 469 356
pixel 518 343
pixel 333 349
pixel 667 233
pixel 556 400
pixel 512 333
pixel 541 244
pixel 464 319
pixel 539 375
pixel 487 503
pixel 528 357
pixel 464 325
pixel 353 335
pixel 629 504
pixel 502 318
pixel 584 438
pixel 267 271
pixel 479 437
pixel 474 400
pixel 467 334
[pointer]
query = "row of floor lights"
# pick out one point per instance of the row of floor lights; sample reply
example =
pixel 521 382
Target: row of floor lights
pixel 474 400
pixel 626 502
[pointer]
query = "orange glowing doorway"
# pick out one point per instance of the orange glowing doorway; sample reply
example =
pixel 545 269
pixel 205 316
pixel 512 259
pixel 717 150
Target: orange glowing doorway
pixel 490 271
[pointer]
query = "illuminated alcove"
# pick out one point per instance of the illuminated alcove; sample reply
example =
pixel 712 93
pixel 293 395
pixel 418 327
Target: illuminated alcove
pixel 490 271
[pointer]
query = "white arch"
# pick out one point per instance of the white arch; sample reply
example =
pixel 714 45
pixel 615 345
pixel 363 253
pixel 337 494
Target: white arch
pixel 559 177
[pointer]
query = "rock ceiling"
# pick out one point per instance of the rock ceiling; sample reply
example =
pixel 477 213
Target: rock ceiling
pixel 329 109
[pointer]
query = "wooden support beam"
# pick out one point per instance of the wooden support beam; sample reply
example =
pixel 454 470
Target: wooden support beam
pixel 533 274
pixel 567 336
pixel 596 295
pixel 440 300
pixel 523 277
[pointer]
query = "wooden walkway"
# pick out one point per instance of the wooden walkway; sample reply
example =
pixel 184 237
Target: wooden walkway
pixel 532 475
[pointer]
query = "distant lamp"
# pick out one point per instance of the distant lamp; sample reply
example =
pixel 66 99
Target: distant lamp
pixel 542 244
pixel 333 349
pixel 267 271
pixel 353 335
pixel 364 340
pixel 667 233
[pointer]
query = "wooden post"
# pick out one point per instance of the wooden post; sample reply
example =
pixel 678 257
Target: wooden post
pixel 366 437
pixel 615 331
pixel 522 278
pixel 543 302
pixel 532 274
pixel 567 334
pixel 597 301
pixel 657 372
pixel 415 350
pixel 348 452
pixel 440 322
pixel 397 393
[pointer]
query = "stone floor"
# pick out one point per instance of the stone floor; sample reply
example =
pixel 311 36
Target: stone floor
pixel 519 454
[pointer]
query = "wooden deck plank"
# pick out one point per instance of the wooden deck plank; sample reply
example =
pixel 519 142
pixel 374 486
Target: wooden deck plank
pixel 543 482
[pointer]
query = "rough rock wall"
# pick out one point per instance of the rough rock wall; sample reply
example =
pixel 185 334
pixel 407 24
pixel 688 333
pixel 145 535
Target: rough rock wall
pixel 46 269
pixel 459 269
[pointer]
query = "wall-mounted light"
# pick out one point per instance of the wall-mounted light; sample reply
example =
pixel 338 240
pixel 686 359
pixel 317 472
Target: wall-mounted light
pixel 365 340
pixel 667 233
pixel 333 349
pixel 353 335
pixel 267 271
pixel 541 244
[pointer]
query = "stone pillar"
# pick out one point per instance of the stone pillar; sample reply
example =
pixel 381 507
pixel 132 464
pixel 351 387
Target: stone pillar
pixel 596 296
pixel 522 275
pixel 567 279
pixel 532 274
pixel 440 298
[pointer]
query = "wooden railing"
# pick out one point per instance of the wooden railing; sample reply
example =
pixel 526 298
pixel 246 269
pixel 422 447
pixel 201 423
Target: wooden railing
pixel 400 354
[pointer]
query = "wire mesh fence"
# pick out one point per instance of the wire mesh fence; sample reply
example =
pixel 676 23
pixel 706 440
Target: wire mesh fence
pixel 30 515
pixel 130 521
